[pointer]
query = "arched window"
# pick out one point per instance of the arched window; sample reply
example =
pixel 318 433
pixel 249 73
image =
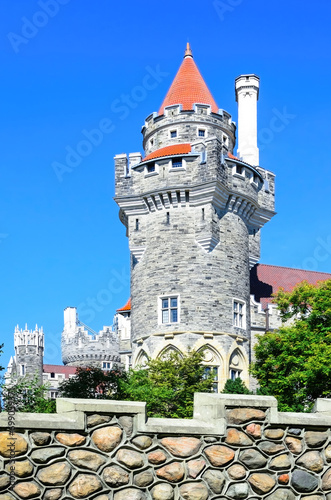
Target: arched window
pixel 213 362
pixel 167 351
pixel 236 365
pixel 142 360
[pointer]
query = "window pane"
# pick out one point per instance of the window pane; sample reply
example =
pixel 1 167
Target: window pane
pixel 165 303
pixel 173 302
pixel 177 163
pixel 165 316
pixel 173 315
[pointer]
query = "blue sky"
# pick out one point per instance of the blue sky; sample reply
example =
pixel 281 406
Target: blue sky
pixel 71 67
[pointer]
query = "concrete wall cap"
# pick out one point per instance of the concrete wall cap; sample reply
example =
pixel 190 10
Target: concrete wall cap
pixel 64 405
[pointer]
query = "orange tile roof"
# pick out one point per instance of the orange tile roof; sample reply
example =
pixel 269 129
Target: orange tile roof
pixel 188 87
pixel 175 149
pixel 127 307
pixel 232 157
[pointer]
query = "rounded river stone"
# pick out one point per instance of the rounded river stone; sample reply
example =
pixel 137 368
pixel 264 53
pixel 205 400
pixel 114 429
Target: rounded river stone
pixel 252 458
pixel 163 491
pixel 181 447
pixel 107 438
pixel 303 481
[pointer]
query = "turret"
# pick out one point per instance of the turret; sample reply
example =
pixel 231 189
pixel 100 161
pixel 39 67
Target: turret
pixel 193 212
pixel 29 351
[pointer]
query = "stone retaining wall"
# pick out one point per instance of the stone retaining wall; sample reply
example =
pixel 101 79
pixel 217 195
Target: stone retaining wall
pixel 235 447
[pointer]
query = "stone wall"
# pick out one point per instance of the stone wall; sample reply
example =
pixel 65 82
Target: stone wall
pixel 235 447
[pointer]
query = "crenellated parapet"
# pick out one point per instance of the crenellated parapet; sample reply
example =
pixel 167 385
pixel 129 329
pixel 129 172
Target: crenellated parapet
pixel 81 346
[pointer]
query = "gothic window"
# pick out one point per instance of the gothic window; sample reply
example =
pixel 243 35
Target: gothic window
pixel 212 363
pixel 169 310
pixel 235 367
pixel 167 351
pixel 239 313
pixel 141 361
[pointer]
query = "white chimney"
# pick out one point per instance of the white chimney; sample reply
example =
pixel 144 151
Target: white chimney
pixel 247 94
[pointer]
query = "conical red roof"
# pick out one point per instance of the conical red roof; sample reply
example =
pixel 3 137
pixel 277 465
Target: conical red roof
pixel 188 87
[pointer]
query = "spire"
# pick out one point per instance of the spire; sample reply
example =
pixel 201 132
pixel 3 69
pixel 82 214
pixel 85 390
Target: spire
pixel 188 87
pixel 188 51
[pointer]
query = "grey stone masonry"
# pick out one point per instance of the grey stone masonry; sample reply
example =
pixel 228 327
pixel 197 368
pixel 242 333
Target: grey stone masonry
pixel 234 447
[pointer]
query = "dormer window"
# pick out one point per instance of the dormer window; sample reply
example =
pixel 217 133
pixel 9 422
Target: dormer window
pixel 173 134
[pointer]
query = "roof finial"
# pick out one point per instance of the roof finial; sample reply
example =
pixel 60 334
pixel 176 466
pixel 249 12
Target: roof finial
pixel 188 51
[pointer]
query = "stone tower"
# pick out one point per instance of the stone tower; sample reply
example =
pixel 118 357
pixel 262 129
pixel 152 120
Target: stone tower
pixel 193 214
pixel 81 346
pixel 29 353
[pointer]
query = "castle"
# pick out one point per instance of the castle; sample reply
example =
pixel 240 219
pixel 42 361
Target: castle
pixel 193 211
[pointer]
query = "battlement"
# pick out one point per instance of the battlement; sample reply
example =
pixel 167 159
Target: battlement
pixel 82 346
pixel 178 126
pixel 24 338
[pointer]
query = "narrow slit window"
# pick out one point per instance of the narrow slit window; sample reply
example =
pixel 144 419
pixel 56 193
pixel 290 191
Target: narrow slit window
pixel 137 224
pixel 168 217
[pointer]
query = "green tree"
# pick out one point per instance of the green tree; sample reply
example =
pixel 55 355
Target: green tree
pixel 236 386
pixel 93 383
pixel 1 352
pixel 25 394
pixel 294 363
pixel 168 384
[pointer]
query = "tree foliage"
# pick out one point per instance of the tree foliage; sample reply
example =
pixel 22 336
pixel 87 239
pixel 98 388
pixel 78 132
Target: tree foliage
pixel 27 395
pixel 1 352
pixel 294 362
pixel 92 383
pixel 167 385
pixel 236 386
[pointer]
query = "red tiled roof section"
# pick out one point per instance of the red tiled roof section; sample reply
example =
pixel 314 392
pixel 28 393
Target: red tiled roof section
pixel 127 307
pixel 176 149
pixel 230 155
pixel 188 88
pixel 266 280
pixel 66 370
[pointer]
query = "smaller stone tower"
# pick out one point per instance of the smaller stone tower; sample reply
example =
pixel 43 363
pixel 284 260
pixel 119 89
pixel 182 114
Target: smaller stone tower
pixel 81 346
pixel 29 353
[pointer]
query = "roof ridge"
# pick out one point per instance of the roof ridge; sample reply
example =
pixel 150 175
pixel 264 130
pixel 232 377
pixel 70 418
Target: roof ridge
pixel 294 269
